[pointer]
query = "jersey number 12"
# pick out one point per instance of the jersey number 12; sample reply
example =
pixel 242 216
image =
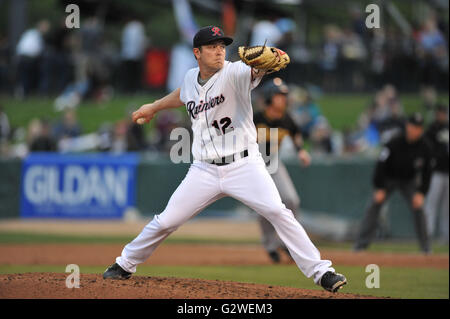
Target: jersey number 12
pixel 225 123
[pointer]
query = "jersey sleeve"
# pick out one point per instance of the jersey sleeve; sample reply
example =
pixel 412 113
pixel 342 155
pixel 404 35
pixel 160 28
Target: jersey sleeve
pixel 379 177
pixel 183 91
pixel 293 131
pixel 241 76
pixel 186 86
pixel 291 126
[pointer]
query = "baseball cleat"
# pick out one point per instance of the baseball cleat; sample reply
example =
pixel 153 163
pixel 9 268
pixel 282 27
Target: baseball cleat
pixel 116 272
pixel 274 256
pixel 332 281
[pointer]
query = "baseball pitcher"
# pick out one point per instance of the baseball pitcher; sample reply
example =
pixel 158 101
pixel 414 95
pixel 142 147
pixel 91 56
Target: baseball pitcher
pixel 217 96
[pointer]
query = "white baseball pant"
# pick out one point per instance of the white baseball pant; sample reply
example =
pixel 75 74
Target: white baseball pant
pixel 290 198
pixel 246 180
pixel 436 205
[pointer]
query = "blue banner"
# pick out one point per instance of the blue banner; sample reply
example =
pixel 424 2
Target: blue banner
pixel 78 186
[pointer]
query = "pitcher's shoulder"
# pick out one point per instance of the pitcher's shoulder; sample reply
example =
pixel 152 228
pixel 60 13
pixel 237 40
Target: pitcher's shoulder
pixel 191 73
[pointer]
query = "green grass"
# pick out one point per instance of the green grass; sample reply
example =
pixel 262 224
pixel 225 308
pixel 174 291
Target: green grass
pixel 342 110
pixel 395 282
pixel 90 114
pixel 410 246
pixel 36 238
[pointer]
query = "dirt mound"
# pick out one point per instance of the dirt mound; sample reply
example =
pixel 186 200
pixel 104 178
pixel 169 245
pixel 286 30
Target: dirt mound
pixel 53 285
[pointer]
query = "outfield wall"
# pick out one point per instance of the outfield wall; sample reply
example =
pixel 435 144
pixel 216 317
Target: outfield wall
pixel 336 188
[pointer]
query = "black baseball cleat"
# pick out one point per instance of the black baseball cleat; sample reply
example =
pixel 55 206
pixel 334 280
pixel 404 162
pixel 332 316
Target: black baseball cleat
pixel 332 281
pixel 116 272
pixel 274 256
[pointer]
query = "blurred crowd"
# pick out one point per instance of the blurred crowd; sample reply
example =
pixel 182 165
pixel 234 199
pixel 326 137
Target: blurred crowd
pixel 52 60
pixel 382 119
pixel 72 65
pixel 89 62
pixel 353 57
pixel 66 135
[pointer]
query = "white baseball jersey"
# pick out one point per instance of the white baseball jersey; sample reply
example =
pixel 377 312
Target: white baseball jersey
pixel 221 111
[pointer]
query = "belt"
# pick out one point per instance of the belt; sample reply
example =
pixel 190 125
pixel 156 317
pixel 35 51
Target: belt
pixel 228 159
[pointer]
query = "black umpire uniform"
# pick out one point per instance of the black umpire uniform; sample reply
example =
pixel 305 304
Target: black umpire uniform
pixel 405 166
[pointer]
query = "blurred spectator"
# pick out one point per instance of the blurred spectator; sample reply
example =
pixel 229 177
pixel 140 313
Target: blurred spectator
pixel 165 123
pixel 93 65
pixel 306 112
pixel 5 128
pixel 378 56
pixel 56 66
pixel 5 132
pixel 40 139
pixel 33 130
pixel 181 57
pixel 430 98
pixel 330 55
pixel 430 102
pixel 287 28
pixel 67 127
pixel 134 44
pixel 29 51
pixel 432 52
pixel 394 122
pixel 320 138
pixel 265 30
pixel 135 137
pixel 358 22
pixel 105 137
pixel 4 63
pixel 91 35
pixel 125 136
pixel 119 142
pixel 353 55
pixel 384 118
pixel 92 71
pixel 313 125
pixel 436 207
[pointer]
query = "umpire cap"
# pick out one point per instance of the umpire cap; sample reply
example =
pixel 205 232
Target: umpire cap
pixel 416 119
pixel 210 34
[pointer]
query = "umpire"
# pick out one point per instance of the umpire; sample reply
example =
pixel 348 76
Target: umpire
pixel 404 164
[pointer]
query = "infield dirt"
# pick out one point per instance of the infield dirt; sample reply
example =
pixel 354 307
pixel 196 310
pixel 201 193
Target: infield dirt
pixel 92 286
pixel 52 285
pixel 49 286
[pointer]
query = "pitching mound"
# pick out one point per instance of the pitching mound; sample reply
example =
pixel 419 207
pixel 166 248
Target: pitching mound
pixel 50 285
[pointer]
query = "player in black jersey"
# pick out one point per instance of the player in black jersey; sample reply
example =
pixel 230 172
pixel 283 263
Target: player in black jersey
pixel 273 116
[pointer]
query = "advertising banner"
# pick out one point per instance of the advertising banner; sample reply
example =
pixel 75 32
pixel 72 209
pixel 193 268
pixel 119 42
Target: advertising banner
pixel 94 186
